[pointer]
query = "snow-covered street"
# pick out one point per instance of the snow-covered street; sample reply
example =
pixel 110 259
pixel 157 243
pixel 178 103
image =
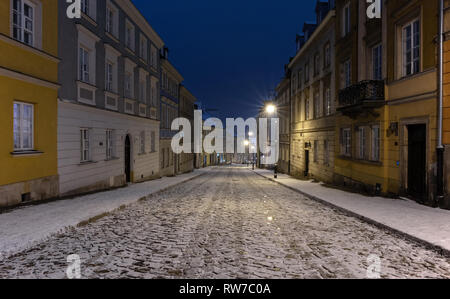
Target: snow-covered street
pixel 230 223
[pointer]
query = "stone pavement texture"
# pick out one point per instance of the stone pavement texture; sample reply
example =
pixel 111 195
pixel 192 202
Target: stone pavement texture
pixel 22 227
pixel 429 225
pixel 230 223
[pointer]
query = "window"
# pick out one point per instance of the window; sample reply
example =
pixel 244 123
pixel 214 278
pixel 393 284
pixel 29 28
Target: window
pixel 142 142
pixel 109 144
pixel 327 101
pixel 316 64
pixel 307 72
pixel 362 143
pixel 306 109
pixel 411 48
pixel 316 151
pixel 153 57
pixel 85 7
pixel 316 104
pixel 347 73
pixel 129 35
pixel 85 146
pixel 143 91
pixel 326 153
pixel 112 19
pixel 300 76
pixel 376 143
pixel 23 126
pixel 327 55
pixel 143 48
pixel 24 21
pixel 153 141
pixel 346 142
pixel 128 85
pixel 109 76
pixel 346 21
pixel 84 65
pixel 377 62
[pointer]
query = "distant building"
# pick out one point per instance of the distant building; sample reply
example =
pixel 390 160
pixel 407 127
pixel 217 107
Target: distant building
pixel 171 81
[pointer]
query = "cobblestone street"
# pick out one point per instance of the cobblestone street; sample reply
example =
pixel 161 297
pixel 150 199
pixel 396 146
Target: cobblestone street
pixel 230 223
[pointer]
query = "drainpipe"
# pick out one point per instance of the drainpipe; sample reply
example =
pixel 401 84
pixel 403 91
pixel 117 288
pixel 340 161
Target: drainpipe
pixel 440 147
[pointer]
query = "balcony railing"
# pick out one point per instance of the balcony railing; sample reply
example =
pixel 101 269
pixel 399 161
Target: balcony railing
pixel 365 94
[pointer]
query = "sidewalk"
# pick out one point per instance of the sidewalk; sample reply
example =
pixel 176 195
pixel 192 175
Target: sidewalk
pixel 22 227
pixel 427 225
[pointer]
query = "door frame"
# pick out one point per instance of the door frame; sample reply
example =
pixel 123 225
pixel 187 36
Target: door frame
pixel 403 147
pixel 128 135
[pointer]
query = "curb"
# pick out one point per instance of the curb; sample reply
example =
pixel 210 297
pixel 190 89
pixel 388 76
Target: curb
pixel 429 245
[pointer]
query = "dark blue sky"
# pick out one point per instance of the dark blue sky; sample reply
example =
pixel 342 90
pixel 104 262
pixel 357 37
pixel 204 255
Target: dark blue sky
pixel 231 53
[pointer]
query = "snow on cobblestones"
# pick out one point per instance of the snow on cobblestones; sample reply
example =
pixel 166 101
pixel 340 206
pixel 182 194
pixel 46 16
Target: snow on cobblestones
pixel 228 224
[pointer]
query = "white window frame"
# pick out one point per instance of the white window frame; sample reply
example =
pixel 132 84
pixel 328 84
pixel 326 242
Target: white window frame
pixel 20 131
pixel 110 144
pixel 22 28
pixel 347 142
pixel 83 67
pixel 109 80
pixel 85 145
pixel 414 49
pixel 112 20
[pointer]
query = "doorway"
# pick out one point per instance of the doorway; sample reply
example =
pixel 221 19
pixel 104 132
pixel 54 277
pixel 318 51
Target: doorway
pixel 306 162
pixel 128 159
pixel 417 161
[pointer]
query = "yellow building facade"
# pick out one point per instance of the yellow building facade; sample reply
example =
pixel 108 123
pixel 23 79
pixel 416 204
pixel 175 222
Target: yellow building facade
pixel 28 100
pixel 388 99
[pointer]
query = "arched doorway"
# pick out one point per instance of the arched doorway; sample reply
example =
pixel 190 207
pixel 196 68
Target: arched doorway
pixel 128 158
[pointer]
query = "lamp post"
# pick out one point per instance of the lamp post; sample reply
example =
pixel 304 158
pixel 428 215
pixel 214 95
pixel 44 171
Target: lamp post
pixel 271 110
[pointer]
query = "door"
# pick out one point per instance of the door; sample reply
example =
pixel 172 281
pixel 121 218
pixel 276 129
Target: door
pixel 306 162
pixel 417 156
pixel 128 159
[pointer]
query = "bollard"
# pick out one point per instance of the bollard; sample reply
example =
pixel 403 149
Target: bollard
pixel 275 173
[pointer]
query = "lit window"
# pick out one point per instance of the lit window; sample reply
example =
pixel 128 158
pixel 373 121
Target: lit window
pixel 23 126
pixel 346 142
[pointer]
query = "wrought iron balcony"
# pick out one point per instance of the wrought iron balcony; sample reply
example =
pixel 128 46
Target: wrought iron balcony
pixel 365 95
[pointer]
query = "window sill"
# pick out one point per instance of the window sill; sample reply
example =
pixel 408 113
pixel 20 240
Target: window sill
pixel 142 154
pixel 87 163
pixel 112 37
pixel 26 153
pixel 112 159
pixel 89 19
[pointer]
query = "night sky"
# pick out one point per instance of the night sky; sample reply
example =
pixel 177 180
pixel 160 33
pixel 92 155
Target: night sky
pixel 231 53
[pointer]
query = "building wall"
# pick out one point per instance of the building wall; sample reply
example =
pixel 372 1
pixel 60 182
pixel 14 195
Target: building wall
pixel 29 74
pixel 101 173
pixel 310 134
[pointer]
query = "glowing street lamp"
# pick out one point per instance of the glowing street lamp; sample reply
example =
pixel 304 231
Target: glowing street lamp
pixel 250 134
pixel 270 109
pixel 246 143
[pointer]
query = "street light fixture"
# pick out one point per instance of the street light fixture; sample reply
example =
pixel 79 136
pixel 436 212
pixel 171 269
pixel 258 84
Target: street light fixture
pixel 270 109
